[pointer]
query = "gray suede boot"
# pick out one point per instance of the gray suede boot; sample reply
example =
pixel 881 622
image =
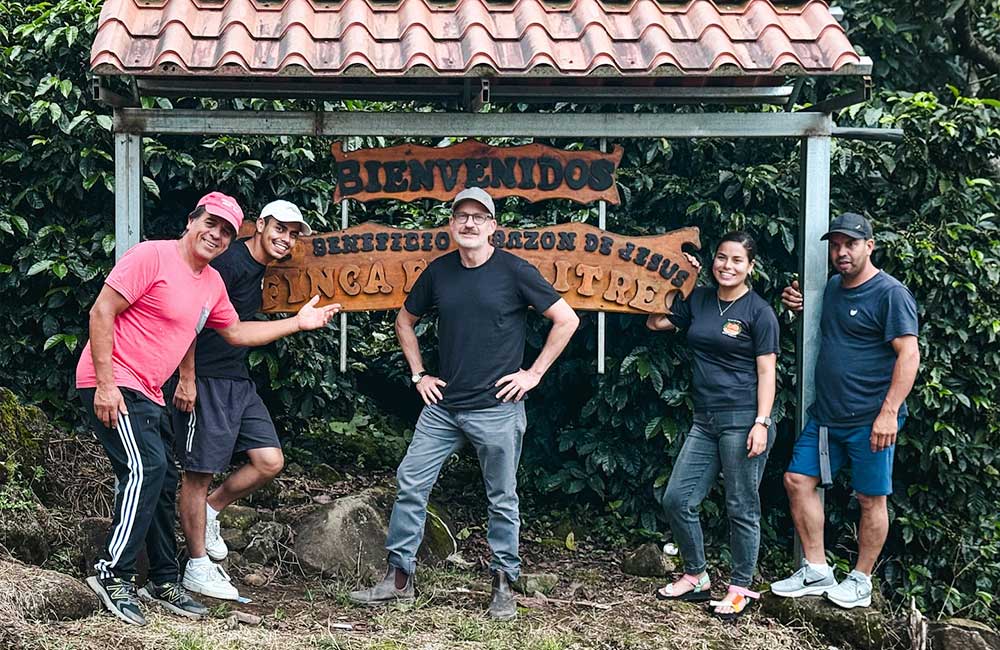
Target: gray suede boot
pixel 385 591
pixel 503 606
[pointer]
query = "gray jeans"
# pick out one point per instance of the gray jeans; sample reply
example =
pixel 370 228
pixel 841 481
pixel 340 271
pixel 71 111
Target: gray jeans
pixel 718 441
pixel 496 434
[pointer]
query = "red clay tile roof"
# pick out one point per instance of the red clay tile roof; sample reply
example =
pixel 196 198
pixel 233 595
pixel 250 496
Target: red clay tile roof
pixel 249 38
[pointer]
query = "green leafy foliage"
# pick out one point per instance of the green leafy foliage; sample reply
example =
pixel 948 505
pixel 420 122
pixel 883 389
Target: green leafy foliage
pixel 603 443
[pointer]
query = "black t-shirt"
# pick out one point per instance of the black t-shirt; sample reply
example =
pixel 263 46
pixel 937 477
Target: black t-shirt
pixel 725 347
pixel 242 275
pixel 856 358
pixel 481 321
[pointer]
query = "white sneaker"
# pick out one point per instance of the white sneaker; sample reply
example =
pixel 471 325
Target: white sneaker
pixel 854 591
pixel 215 546
pixel 209 579
pixel 804 582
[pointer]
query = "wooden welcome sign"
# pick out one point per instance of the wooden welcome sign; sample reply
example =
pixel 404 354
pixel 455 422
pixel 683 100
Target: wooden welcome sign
pixel 532 171
pixel 373 267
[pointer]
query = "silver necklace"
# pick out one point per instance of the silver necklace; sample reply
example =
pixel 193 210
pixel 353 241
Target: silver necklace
pixel 718 302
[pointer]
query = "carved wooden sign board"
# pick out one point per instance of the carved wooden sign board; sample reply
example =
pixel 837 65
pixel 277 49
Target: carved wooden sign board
pixel 532 171
pixel 373 267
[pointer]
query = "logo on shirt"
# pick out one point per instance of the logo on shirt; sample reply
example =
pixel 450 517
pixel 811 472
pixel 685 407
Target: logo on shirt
pixel 854 312
pixel 732 328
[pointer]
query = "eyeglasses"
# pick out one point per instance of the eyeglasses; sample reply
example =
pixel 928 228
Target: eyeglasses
pixel 478 218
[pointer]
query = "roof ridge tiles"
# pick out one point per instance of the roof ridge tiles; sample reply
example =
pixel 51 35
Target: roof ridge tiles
pixel 754 34
pixel 492 7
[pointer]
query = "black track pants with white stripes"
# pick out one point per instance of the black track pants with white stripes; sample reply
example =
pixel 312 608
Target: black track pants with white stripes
pixel 141 453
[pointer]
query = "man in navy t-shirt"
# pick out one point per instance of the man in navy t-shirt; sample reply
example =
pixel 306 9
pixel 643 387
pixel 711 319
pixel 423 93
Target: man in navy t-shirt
pixel 868 360
pixel 481 295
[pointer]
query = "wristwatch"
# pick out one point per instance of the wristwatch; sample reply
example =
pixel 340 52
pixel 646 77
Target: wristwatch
pixel 766 421
pixel 417 377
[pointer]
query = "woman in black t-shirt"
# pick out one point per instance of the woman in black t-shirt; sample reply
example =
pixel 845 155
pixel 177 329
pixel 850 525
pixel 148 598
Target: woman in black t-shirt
pixel 733 334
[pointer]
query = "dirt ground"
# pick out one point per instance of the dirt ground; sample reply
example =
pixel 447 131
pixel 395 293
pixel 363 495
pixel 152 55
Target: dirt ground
pixel 594 606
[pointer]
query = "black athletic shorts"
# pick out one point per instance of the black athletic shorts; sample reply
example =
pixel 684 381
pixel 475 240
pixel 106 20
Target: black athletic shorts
pixel 229 417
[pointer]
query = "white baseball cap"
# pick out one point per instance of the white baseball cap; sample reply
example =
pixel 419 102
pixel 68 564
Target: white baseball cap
pixel 478 195
pixel 285 212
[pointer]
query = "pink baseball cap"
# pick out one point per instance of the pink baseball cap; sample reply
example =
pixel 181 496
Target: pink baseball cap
pixel 223 206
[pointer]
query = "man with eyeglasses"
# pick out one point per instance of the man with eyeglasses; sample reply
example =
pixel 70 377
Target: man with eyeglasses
pixel 482 295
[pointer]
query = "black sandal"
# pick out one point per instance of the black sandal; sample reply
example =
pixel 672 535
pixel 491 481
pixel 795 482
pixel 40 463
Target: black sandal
pixel 699 594
pixel 741 604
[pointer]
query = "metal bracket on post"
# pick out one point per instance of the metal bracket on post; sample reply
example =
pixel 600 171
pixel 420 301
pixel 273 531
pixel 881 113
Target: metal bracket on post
pixel 104 95
pixel 602 219
pixel 833 104
pixel 343 316
pixel 475 93
pixel 814 221
pixel 128 191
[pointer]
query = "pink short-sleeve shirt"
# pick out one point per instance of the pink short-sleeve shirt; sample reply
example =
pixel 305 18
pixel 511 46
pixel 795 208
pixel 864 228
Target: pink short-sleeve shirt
pixel 168 305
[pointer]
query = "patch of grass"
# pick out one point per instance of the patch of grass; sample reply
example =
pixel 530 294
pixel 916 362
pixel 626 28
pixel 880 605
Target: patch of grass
pixel 442 578
pixel 189 641
pixel 551 642
pixel 331 643
pixel 338 592
pixel 465 628
pixel 386 644
pixel 222 610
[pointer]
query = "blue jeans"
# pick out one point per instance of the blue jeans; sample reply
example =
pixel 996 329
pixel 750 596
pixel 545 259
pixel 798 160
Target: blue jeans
pixel 496 434
pixel 718 441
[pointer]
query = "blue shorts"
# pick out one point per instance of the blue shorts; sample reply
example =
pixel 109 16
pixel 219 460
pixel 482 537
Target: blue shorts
pixel 871 473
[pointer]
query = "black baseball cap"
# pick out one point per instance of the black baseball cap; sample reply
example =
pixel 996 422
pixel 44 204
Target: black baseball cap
pixel 851 224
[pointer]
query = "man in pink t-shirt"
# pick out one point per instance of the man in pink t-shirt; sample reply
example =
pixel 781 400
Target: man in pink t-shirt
pixel 154 302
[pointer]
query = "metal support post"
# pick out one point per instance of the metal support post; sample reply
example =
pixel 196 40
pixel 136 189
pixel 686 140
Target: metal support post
pixel 602 223
pixel 128 192
pixel 813 223
pixel 343 316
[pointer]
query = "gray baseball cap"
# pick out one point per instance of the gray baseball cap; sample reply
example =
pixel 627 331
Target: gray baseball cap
pixel 478 195
pixel 851 224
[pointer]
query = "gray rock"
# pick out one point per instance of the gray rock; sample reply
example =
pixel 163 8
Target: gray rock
pixel 239 517
pixel 266 541
pixel 347 536
pixel 325 473
pixel 22 532
pixel 255 580
pixel 962 634
pixel 863 628
pixel 648 561
pixel 235 539
pixel 439 537
pixel 532 583
pixel 36 594
pixel 343 538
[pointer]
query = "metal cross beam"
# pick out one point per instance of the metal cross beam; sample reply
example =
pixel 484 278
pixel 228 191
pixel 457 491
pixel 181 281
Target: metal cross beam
pixel 535 125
